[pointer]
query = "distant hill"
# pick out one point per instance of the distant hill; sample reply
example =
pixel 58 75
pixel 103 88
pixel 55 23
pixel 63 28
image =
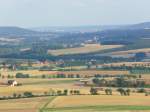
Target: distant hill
pixel 27 34
pixel 145 25
pixel 94 28
pixel 40 40
pixel 15 31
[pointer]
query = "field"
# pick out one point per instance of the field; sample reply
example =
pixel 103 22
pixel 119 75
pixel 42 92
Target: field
pixel 71 103
pixel 30 72
pixel 93 72
pixel 36 86
pixel 88 48
pixel 99 103
pixel 24 105
pixel 53 73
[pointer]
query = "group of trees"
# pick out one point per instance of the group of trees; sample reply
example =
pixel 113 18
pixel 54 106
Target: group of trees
pixel 108 91
pixel 68 76
pixel 124 92
pixel 66 92
pixel 26 94
pixel 94 91
pixel 118 82
pixel 62 92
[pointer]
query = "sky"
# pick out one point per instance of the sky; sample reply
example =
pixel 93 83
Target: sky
pixel 38 13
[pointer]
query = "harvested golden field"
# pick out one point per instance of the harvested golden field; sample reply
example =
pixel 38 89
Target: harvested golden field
pixel 146 76
pixel 30 72
pixel 78 101
pixel 23 105
pixel 146 50
pixel 88 48
pixel 93 72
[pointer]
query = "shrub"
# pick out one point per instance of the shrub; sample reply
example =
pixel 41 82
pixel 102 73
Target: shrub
pixel 28 94
pixel 19 95
pixel 59 92
pixel 142 90
pixel 20 75
pixel 14 95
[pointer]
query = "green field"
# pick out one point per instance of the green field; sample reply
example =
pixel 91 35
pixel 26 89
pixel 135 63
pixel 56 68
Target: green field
pixel 99 109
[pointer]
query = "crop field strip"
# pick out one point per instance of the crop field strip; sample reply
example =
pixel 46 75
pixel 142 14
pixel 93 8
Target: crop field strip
pixel 115 108
pixel 89 48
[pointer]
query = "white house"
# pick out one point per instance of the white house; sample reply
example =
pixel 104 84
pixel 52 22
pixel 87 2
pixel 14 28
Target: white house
pixel 12 83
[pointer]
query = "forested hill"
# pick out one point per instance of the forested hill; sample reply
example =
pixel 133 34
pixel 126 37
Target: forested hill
pixel 16 31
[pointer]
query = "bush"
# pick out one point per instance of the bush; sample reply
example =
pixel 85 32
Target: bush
pixel 19 95
pixel 142 90
pixel 43 76
pixel 28 94
pixel 14 95
pixel 45 93
pixel 20 75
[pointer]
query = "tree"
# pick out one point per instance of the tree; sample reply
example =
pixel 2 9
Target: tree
pixel 59 92
pixel 128 92
pixel 65 92
pixel 121 90
pixel 108 91
pixel 71 92
pixel 8 76
pixel 120 82
pixel 78 92
pixel 93 91
pixel 96 81
pixel 43 76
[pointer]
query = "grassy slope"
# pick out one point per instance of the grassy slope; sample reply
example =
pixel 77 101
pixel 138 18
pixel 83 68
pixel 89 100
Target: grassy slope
pixel 97 108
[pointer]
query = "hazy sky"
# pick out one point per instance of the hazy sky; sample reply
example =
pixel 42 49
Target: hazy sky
pixel 34 13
